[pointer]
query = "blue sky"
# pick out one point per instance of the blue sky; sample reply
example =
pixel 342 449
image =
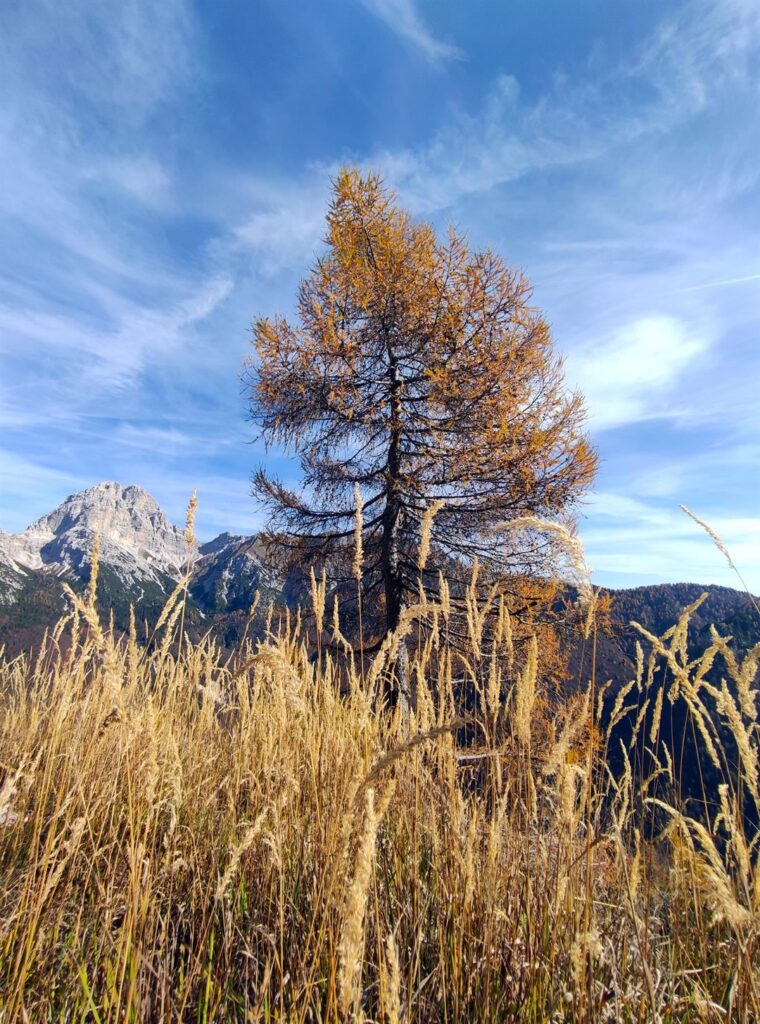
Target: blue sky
pixel 165 170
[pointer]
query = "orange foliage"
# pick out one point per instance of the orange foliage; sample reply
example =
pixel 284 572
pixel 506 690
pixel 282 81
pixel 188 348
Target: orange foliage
pixel 419 370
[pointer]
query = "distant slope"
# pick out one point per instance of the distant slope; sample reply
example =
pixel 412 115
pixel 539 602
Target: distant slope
pixel 656 608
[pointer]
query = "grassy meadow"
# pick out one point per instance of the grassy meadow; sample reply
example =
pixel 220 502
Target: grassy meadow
pixel 189 836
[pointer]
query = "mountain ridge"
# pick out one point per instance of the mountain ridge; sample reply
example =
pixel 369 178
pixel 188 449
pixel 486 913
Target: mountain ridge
pixel 143 556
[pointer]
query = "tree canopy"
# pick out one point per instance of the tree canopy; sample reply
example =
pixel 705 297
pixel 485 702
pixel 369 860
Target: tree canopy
pixel 418 371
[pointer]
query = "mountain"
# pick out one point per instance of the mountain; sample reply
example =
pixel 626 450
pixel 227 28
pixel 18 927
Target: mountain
pixel 229 571
pixel 143 555
pixel 136 538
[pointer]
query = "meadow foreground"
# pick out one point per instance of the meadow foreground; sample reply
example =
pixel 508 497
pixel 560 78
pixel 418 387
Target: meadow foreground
pixel 185 836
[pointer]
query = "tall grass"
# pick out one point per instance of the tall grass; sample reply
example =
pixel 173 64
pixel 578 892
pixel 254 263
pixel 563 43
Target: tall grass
pixel 186 836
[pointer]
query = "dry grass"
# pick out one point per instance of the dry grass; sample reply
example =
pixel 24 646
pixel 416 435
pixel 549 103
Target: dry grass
pixel 189 838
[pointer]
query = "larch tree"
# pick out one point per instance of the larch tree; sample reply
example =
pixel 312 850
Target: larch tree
pixel 418 371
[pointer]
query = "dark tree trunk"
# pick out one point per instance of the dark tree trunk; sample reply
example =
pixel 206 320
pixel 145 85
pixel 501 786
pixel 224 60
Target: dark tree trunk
pixel 399 692
pixel 392 577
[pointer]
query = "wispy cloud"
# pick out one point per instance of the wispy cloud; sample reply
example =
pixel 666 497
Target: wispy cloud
pixel 639 542
pixel 686 64
pixel 140 176
pixel 129 57
pixel 682 68
pixel 745 279
pixel 284 224
pixel 634 373
pixel 403 18
pixel 103 359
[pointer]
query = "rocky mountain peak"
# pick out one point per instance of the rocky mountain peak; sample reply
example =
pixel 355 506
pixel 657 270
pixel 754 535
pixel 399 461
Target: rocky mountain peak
pixel 106 501
pixel 224 540
pixel 136 537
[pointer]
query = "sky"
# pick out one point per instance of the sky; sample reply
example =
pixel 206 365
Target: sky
pixel 165 171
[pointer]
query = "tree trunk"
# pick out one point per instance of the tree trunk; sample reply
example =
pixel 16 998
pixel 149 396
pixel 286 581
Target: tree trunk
pixel 398 692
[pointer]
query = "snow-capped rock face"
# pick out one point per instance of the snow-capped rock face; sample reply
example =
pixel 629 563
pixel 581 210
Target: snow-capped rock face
pixel 136 538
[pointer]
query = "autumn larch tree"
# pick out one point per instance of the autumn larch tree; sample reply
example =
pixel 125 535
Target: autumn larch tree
pixel 419 371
